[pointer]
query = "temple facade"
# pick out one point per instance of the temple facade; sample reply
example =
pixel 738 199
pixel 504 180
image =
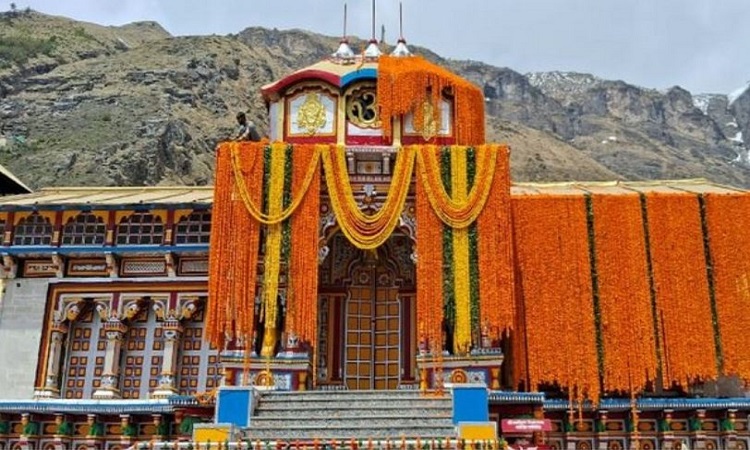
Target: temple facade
pixel 375 242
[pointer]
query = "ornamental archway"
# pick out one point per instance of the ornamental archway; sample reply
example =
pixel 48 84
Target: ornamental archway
pixel 367 335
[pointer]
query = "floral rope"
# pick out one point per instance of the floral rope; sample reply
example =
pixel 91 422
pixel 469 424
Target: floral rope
pixel 453 212
pixel 272 257
pixel 288 210
pixel 366 232
pixel 461 275
pixel 231 288
pixel 303 264
pixel 495 248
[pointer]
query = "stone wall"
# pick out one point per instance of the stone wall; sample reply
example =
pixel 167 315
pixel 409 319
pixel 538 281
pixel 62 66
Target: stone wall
pixel 21 323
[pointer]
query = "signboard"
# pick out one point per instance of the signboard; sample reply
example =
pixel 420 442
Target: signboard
pixel 525 425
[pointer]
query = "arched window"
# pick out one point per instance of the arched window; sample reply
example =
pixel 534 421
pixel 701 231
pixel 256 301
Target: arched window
pixel 33 230
pixel 84 229
pixel 194 229
pixel 142 356
pixel 198 363
pixel 140 229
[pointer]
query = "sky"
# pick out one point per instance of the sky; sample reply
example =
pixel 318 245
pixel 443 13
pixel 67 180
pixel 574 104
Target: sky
pixel 701 45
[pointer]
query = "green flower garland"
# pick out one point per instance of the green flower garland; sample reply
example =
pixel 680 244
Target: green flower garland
pixel 652 290
pixel 711 287
pixel 449 292
pixel 595 290
pixel 471 169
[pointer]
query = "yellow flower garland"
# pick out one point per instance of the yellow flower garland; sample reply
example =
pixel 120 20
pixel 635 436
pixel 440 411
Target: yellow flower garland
pixel 366 232
pixel 272 257
pixel 255 212
pixel 459 186
pixel 457 212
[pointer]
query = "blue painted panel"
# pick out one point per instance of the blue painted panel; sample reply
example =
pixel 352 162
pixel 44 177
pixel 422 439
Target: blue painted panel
pixel 233 406
pixel 367 73
pixel 470 403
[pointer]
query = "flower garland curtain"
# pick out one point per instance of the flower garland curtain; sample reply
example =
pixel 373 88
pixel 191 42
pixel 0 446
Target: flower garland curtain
pixel 680 280
pixel 458 211
pixel 495 248
pixel 407 84
pixel 429 272
pixel 555 275
pixel 624 293
pixel 728 219
pixel 272 256
pixel 366 232
pixel 302 298
pixel 231 288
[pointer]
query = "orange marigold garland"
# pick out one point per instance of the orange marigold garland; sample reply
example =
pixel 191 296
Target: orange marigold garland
pixel 496 280
pixel 233 250
pixel 624 293
pixel 405 84
pixel 682 297
pixel 303 266
pixel 728 220
pixel 429 271
pixel 555 272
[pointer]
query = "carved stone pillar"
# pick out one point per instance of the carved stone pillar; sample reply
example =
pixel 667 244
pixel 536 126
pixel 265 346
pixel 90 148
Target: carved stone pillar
pixel 51 387
pixel 167 377
pixel 110 383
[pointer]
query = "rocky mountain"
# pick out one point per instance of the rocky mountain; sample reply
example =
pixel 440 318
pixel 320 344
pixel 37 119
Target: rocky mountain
pixel 82 104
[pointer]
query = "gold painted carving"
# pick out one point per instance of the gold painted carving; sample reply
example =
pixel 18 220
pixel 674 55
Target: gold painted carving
pixel 311 115
pixel 362 108
pixel 424 122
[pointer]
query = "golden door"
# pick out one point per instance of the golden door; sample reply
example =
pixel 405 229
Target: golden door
pixel 372 349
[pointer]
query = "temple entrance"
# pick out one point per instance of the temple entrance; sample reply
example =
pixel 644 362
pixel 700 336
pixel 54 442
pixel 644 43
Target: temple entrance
pixel 367 337
pixel 373 327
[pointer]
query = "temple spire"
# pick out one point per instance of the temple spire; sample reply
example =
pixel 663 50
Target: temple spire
pixel 372 50
pixel 344 52
pixel 401 48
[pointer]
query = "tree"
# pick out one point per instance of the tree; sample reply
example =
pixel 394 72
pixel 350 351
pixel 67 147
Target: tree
pixel 13 8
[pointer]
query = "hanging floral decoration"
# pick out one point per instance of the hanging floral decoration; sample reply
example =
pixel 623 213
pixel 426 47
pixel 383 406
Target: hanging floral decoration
pixel 415 85
pixel 553 256
pixel 302 294
pixel 680 281
pixel 624 293
pixel 231 288
pixel 495 249
pixel 365 231
pixel 460 211
pixel 429 272
pixel 728 220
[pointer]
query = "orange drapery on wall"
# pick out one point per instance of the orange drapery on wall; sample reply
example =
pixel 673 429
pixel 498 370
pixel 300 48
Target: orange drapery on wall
pixel 728 220
pixel 555 275
pixel 624 293
pixel 680 280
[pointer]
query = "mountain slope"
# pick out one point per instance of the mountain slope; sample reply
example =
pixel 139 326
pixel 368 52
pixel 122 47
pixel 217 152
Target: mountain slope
pixel 93 111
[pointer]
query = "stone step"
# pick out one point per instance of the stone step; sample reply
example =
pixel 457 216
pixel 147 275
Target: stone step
pixel 349 395
pixel 350 421
pixel 302 432
pixel 297 411
pixel 266 405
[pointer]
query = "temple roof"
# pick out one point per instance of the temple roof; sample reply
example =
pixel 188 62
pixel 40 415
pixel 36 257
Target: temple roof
pixel 335 73
pixel 124 197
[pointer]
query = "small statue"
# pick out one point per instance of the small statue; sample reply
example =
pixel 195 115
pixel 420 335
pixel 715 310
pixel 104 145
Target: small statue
pixel 486 339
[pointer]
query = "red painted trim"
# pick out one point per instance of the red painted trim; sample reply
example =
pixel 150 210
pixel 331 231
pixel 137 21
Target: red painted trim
pixel 410 140
pixel 310 140
pixel 9 228
pixel 367 140
pixel 303 75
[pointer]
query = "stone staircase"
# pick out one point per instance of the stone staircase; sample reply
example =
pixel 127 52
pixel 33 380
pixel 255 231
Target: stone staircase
pixel 346 415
